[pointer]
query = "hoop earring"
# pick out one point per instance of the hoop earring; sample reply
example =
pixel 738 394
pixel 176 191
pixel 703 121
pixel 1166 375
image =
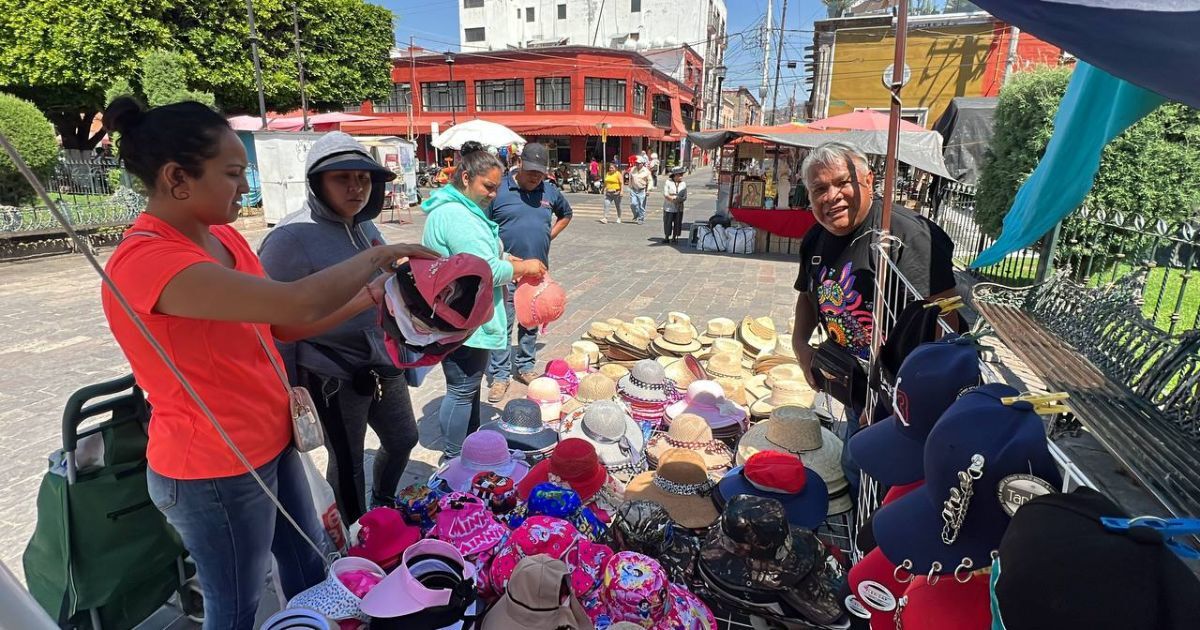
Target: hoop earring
pixel 964 569
pixel 933 576
pixel 907 566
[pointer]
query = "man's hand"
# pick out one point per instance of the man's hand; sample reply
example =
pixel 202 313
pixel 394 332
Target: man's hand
pixel 804 356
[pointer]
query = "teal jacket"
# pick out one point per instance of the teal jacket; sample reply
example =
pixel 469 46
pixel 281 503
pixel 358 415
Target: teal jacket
pixel 456 225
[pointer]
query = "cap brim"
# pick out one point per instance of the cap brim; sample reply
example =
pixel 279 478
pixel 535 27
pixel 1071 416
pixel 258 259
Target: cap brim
pixel 530 165
pixel 378 173
pixel 807 509
pixel 887 455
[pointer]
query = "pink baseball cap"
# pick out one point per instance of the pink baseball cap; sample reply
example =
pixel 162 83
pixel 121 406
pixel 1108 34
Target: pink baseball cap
pixel 383 535
pixel 404 593
pixel 539 301
pixel 483 451
pixel 457 288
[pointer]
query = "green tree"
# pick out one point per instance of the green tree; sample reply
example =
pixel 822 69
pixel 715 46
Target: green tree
pixel 64 55
pixel 33 136
pixel 1151 169
pixel 165 80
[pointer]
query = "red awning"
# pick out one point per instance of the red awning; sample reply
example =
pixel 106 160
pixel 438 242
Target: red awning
pixel 542 124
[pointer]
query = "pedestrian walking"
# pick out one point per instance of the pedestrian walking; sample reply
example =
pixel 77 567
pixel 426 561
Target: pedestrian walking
pixel 674 194
pixel 531 212
pixel 353 381
pixel 593 176
pixel 195 283
pixel 655 167
pixel 457 223
pixel 613 187
pixel 639 187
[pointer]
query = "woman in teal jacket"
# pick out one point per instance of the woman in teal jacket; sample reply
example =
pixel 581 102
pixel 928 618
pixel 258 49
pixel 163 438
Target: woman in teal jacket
pixel 457 223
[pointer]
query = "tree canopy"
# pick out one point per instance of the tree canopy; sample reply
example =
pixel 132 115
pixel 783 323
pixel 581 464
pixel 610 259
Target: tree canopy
pixel 65 55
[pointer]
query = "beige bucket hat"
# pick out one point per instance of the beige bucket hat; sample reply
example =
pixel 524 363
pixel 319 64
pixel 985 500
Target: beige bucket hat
pixel 798 430
pixel 681 485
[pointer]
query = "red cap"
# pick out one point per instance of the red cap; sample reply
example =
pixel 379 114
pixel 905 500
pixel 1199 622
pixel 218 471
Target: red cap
pixel 539 301
pixel 775 471
pixel 433 276
pixel 875 567
pixel 575 462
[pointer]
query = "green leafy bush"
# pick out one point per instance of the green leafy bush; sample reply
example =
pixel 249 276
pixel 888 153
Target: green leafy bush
pixel 33 136
pixel 1149 170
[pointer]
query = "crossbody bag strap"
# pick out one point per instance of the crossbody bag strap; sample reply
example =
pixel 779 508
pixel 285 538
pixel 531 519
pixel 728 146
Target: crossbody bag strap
pixel 274 362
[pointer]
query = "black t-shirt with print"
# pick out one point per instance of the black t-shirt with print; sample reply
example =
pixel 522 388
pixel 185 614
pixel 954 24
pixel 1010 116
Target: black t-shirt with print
pixel 839 271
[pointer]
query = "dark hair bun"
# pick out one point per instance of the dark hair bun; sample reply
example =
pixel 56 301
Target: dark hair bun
pixel 469 147
pixel 123 114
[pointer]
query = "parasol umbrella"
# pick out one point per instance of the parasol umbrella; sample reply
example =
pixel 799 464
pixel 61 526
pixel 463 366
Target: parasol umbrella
pixel 919 149
pixel 484 132
pixel 861 120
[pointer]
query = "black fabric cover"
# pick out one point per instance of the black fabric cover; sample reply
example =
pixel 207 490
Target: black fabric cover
pixel 966 128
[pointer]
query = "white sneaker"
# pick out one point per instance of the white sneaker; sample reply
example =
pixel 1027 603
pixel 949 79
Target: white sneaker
pixel 604 220
pixel 618 220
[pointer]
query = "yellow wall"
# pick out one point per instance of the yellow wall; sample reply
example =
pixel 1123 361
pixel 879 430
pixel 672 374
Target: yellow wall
pixel 945 62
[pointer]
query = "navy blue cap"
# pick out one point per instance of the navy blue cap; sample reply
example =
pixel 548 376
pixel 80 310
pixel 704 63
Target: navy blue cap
pixel 929 381
pixel 1011 440
pixel 806 509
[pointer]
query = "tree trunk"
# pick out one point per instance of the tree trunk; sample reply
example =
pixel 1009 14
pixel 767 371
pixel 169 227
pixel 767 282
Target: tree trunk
pixel 74 128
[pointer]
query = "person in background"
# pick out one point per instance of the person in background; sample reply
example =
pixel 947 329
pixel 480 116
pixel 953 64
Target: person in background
pixel 200 290
pixel 347 369
pixel 674 194
pixel 457 223
pixel 593 175
pixel 639 187
pixel 655 165
pixel 531 212
pixel 613 186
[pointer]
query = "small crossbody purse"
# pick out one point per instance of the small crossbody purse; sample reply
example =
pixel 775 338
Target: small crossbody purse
pixel 307 433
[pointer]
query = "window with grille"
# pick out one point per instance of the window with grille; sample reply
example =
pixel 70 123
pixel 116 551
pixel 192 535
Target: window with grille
pixel 444 96
pixel 562 11
pixel 397 101
pixel 500 95
pixel 553 93
pixel 639 98
pixel 475 34
pixel 529 14
pixel 635 6
pixel 472 4
pixel 605 95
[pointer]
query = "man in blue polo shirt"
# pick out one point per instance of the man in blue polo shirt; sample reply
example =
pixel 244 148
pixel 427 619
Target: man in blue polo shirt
pixel 531 212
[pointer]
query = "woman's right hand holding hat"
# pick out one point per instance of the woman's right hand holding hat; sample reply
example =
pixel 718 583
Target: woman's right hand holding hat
pixel 523 267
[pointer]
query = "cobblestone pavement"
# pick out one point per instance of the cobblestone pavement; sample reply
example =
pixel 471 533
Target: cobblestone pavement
pixel 53 337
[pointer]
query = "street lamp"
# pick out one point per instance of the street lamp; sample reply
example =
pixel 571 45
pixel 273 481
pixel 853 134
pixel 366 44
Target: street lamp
pixel 719 72
pixel 450 88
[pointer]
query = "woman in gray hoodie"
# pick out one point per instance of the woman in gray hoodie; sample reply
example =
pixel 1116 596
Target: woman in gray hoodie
pixel 347 369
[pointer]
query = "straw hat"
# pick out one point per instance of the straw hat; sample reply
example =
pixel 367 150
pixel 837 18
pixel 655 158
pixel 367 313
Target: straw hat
pixel 690 431
pixel 795 392
pixel 546 393
pixel 599 331
pixel 798 430
pixel 757 332
pixel 677 339
pixel 735 390
pixel 578 362
pixel 646 322
pixel 615 322
pixel 593 387
pixel 681 485
pixel 684 371
pixel 760 385
pixel 718 328
pixel 727 365
pixel 630 337
pixel 613 371
pixel 726 345
pixel 588 349
pixel 676 317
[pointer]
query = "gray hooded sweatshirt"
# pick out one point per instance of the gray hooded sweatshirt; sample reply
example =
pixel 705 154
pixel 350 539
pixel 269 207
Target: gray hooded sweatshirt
pixel 314 238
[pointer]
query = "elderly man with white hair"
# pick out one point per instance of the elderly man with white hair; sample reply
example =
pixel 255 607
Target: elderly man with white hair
pixel 837 264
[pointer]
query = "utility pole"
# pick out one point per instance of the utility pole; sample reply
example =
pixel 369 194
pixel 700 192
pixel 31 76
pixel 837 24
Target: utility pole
pixel 262 100
pixel 412 81
pixel 762 90
pixel 778 60
pixel 1014 35
pixel 300 62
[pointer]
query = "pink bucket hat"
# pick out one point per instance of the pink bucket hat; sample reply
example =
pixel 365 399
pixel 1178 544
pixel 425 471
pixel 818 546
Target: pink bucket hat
pixel 482 451
pixel 687 612
pixel 538 302
pixel 635 589
pixel 558 539
pixel 707 400
pixel 403 593
pixel 383 535
pixel 568 380
pixel 465 522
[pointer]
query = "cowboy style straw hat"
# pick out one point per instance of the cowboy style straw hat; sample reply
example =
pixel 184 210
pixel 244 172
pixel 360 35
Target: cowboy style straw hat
pixel 677 339
pixel 579 363
pixel 760 385
pixel 757 333
pixel 599 331
pixel 795 392
pixel 690 431
pixel 589 349
pixel 681 485
pixel 683 372
pixel 798 430
pixel 718 328
pixel 727 365
pixel 648 324
pixel 676 317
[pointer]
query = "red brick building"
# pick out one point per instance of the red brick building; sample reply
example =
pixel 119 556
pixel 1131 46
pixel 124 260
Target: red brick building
pixel 556 96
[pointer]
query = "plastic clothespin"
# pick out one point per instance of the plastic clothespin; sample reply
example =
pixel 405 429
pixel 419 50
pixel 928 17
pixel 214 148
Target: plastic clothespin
pixel 947 304
pixel 1051 410
pixel 1169 528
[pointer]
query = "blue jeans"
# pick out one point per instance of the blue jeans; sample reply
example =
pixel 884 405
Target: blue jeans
pixel 637 203
pixel 501 364
pixel 230 528
pixel 458 415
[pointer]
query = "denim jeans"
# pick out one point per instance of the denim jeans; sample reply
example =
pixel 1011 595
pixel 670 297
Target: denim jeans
pixel 637 203
pixel 230 528
pixel 500 366
pixel 459 412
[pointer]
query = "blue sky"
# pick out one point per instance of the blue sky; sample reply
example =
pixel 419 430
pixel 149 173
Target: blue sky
pixel 434 24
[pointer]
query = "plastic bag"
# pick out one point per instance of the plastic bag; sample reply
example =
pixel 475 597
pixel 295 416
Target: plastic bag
pixel 326 505
pixel 739 240
pixel 710 239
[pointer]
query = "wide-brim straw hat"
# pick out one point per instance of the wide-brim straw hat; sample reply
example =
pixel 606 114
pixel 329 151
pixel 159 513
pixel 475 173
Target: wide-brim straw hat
pixel 593 387
pixel 798 430
pixel 684 371
pixel 599 331
pixel 760 385
pixel 679 339
pixel 648 324
pixel 727 365
pixel 690 431
pixel 796 392
pixel 614 371
pixel 681 485
pixel 590 349
pixel 718 328
pixel 631 337
pixel 758 333
pixel 735 390
pixel 677 317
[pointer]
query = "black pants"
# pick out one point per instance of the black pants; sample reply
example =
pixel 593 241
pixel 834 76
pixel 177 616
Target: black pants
pixel 672 224
pixel 345 415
